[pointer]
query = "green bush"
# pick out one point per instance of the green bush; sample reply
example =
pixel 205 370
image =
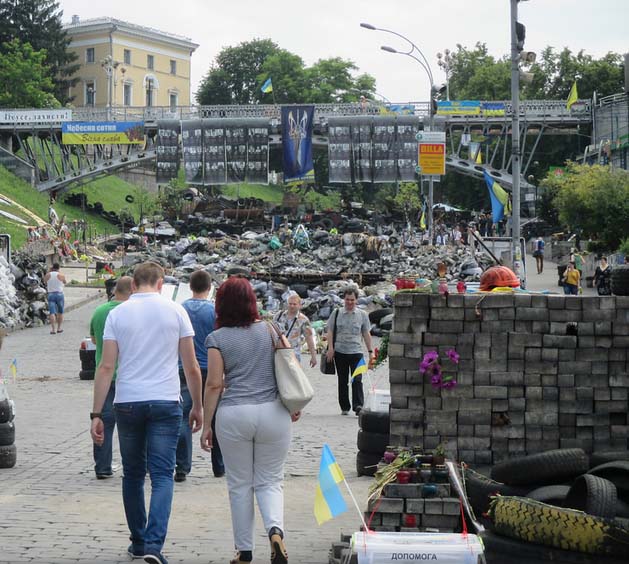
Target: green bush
pixel 624 247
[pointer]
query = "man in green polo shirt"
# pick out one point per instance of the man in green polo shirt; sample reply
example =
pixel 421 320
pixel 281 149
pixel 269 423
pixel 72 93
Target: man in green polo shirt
pixel 102 454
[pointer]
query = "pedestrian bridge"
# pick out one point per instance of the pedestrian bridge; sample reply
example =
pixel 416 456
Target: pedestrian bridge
pixel 36 146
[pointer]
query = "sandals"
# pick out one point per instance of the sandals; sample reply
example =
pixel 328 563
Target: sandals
pixel 60 331
pixel 278 550
pixel 237 560
pixel 52 332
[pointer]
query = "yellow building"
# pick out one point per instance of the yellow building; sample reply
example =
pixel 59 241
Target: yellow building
pixel 123 64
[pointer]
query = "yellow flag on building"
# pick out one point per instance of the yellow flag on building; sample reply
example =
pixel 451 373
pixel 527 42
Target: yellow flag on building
pixel 573 96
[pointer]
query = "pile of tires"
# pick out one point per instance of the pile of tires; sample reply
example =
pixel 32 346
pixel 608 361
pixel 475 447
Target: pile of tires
pixel 381 321
pixel 559 505
pixel 87 355
pixel 372 440
pixel 8 450
pixel 620 280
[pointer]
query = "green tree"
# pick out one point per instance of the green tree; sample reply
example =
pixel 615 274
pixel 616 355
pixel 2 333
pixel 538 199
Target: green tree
pixel 38 22
pixel 594 199
pixel 408 200
pixel 25 81
pixel 286 71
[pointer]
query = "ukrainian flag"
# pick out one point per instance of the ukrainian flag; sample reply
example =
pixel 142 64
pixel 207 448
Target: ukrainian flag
pixel 573 96
pixel 422 222
pixel 267 86
pixel 361 368
pixel 329 501
pixel 13 368
pixel 500 203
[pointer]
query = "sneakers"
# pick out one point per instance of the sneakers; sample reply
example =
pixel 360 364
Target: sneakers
pixel 180 476
pixel 344 412
pixel 278 550
pixel 358 410
pixel 155 558
pixel 104 476
pixel 135 552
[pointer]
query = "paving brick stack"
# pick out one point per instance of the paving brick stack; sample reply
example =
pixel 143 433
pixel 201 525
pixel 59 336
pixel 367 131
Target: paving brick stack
pixel 536 372
pixel 410 508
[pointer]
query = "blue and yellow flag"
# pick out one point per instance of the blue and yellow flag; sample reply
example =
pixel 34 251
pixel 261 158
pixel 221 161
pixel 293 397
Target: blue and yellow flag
pixel 329 501
pixel 267 86
pixel 361 368
pixel 500 202
pixel 13 368
pixel 573 96
pixel 422 217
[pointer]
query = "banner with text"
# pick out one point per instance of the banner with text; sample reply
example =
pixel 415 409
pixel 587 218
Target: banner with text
pixel 297 124
pixel 102 133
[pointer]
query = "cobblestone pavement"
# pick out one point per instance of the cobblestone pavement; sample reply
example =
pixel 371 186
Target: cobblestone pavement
pixel 54 510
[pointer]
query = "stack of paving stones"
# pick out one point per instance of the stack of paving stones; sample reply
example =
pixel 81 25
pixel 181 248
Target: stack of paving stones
pixel 536 372
pixel 415 508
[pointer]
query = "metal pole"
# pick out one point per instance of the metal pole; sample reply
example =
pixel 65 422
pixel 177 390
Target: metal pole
pixel 516 254
pixel 431 185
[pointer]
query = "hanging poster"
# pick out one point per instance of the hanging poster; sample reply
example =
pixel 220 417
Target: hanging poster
pixel 406 148
pixel 383 151
pixel 258 153
pixel 192 142
pixel 361 149
pixel 167 148
pixel 339 152
pixel 214 168
pixel 297 143
pixel 236 153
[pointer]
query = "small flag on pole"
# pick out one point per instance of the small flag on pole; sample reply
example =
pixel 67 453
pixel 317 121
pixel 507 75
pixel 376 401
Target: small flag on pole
pixel 361 368
pixel 500 203
pixel 422 218
pixel 573 96
pixel 267 86
pixel 329 501
pixel 13 368
pixel 479 157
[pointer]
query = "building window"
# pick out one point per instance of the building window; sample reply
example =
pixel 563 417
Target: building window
pixel 127 56
pixel 127 95
pixel 89 55
pixel 90 93
pixel 150 62
pixel 173 102
pixel 150 92
pixel 173 67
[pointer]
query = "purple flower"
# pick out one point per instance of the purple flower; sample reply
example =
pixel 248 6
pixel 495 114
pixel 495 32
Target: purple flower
pixel 449 384
pixel 436 381
pixel 453 355
pixel 431 356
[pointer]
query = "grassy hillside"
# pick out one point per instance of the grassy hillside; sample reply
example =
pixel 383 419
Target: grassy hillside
pixel 274 194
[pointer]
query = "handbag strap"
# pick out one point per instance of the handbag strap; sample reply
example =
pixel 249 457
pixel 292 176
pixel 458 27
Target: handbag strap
pixel 280 337
pixel 336 316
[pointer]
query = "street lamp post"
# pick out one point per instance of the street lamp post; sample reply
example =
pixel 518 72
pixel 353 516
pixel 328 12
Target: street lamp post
pixel 110 65
pixel 516 253
pixel 445 62
pixel 426 66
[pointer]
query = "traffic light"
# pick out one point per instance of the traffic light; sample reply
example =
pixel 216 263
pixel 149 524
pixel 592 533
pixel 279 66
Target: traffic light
pixel 435 93
pixel 520 33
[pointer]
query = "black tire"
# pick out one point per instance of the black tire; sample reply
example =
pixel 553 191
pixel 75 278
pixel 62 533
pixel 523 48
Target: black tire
pixel 553 495
pixel 86 375
pixel 301 289
pixel 481 489
pixel 553 466
pixel 594 495
pixel 603 457
pixel 7 433
pixel 616 472
pixel 238 271
pixel 366 463
pixel 620 280
pixel 6 411
pixel 373 443
pixel 622 509
pixel 376 315
pixel 374 421
pixel 386 323
pixel 8 456
pixel 326 223
pixel 536 522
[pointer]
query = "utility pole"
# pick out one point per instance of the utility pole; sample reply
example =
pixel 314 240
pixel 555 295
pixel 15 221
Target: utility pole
pixel 517 43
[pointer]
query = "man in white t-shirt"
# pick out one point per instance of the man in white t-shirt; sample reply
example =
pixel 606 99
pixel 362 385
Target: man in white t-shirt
pixel 146 335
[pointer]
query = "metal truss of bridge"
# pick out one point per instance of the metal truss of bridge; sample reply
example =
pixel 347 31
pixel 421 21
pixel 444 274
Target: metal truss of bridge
pixel 58 167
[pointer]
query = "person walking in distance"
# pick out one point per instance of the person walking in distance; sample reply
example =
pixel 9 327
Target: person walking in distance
pixel 146 335
pixel 538 253
pixel 102 453
pixel 253 426
pixel 202 316
pixel 296 326
pixel 55 281
pixel 351 325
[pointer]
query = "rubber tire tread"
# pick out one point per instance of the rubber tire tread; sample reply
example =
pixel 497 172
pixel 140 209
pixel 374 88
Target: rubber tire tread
pixel 620 280
pixel 373 443
pixel 552 466
pixel 374 421
pixel 366 463
pixel 8 456
pixel 377 314
pixel 616 472
pixel 86 374
pixel 481 489
pixel 553 495
pixel 605 456
pixel 622 509
pixel 548 525
pixel 594 495
pixel 6 411
pixel 7 433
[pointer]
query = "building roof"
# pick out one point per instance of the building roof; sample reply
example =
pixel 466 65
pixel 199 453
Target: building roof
pixel 109 25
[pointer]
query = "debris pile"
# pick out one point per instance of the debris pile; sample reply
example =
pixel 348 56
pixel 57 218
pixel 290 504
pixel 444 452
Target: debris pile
pixel 22 295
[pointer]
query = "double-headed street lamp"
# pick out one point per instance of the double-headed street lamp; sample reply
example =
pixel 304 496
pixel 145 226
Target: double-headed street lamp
pixel 426 66
pixel 444 61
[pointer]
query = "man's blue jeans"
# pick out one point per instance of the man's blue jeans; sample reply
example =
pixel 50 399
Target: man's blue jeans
pixel 148 432
pixel 102 454
pixel 184 446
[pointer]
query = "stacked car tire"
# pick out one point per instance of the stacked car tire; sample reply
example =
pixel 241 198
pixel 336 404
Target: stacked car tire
pixel 373 438
pixel 88 364
pixel 8 450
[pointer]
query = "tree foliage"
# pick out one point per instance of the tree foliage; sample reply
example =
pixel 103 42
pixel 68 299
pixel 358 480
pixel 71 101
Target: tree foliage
pixel 38 22
pixel 594 198
pixel 25 81
pixel 238 73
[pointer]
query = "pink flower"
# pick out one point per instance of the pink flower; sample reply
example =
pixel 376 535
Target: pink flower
pixel 453 355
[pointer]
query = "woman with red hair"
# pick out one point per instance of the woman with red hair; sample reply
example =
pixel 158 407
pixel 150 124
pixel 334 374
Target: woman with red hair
pixel 252 425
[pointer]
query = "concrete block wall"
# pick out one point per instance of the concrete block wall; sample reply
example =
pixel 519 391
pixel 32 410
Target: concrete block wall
pixel 536 372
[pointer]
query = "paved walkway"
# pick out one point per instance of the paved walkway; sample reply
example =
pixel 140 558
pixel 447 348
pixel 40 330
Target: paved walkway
pixel 54 510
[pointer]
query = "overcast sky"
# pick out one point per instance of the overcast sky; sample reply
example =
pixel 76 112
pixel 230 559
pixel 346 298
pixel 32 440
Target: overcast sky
pixel 330 28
